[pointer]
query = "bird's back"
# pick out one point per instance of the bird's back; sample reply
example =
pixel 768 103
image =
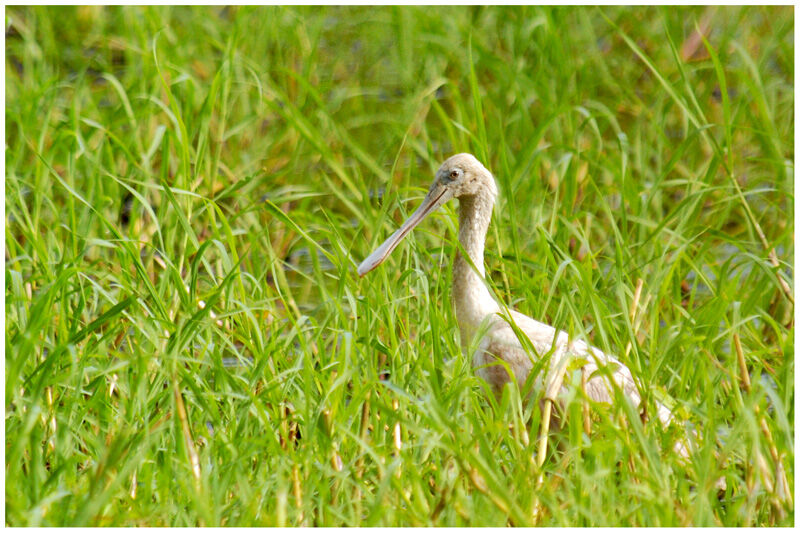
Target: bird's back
pixel 500 342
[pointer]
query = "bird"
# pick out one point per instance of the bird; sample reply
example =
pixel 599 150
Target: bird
pixel 499 356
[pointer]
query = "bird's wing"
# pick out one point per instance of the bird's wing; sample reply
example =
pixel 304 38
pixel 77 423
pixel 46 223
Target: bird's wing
pixel 603 371
pixel 598 366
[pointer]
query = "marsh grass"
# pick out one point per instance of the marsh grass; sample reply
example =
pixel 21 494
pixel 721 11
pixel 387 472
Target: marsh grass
pixel 189 190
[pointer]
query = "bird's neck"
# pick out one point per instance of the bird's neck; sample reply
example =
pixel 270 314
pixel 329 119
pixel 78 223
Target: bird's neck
pixel 473 301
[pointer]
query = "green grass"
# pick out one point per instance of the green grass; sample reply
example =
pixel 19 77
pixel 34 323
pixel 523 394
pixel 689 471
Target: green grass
pixel 188 188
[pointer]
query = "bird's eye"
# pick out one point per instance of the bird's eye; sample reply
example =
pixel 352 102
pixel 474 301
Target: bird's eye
pixel 454 174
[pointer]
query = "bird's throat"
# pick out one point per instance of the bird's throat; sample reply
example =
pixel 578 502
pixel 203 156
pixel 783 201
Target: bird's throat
pixel 473 302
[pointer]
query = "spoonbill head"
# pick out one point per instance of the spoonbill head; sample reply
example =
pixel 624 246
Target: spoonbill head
pixel 461 175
